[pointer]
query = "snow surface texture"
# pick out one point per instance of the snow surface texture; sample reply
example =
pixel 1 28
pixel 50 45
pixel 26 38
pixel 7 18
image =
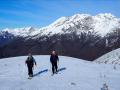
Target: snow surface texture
pixel 101 23
pixel 74 74
pixel 112 57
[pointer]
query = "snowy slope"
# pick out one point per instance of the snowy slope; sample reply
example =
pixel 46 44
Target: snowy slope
pixel 112 57
pixel 101 23
pixel 74 74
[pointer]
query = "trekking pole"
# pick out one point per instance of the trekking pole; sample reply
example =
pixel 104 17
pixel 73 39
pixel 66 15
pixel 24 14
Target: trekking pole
pixel 23 71
pixel 58 64
pixel 50 67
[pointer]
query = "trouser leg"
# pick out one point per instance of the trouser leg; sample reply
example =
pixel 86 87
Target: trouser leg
pixel 53 70
pixel 30 71
pixel 56 67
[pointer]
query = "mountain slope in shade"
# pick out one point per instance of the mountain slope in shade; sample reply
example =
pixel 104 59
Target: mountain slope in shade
pixel 5 37
pixel 74 74
pixel 101 23
pixel 112 57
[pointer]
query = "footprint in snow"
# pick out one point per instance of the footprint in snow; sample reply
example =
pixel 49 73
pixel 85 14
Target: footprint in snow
pixel 72 83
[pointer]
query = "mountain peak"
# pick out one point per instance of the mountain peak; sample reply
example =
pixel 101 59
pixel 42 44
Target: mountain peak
pixel 79 15
pixel 58 22
pixel 106 15
pixel 25 31
pixel 102 23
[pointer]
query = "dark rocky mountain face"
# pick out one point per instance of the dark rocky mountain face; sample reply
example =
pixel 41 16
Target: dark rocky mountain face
pixel 88 46
pixel 5 37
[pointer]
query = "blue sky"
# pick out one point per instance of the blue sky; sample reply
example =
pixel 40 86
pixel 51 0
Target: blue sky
pixel 39 13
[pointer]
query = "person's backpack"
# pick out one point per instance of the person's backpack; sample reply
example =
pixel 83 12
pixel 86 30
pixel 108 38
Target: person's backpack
pixel 30 61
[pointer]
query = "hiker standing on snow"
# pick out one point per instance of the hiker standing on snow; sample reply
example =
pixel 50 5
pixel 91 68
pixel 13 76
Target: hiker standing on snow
pixel 54 61
pixel 30 64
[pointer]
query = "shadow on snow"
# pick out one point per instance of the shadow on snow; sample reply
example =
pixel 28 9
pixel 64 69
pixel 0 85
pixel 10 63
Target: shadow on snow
pixel 40 72
pixel 46 70
pixel 61 69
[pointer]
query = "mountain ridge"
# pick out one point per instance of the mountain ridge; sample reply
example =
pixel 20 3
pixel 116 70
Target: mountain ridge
pixel 96 23
pixel 89 36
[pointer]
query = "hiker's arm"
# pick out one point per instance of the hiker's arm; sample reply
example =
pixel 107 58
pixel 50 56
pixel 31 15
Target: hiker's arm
pixel 57 58
pixel 34 62
pixel 26 61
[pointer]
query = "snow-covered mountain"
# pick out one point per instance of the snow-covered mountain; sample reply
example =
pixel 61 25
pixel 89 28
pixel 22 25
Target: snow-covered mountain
pixel 74 74
pixel 101 23
pixel 112 57
pixel 89 36
pixel 23 32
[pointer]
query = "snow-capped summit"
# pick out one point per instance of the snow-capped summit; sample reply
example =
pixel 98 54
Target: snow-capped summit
pixel 24 32
pixel 77 17
pixel 101 23
pixel 108 15
pixel 105 23
pixel 64 20
pixel 58 22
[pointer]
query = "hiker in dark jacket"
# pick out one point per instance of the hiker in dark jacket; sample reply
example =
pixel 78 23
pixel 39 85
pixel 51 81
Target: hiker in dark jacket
pixel 30 64
pixel 54 60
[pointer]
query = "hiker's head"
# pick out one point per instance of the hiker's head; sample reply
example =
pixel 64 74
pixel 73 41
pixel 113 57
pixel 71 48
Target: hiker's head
pixel 53 53
pixel 29 54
